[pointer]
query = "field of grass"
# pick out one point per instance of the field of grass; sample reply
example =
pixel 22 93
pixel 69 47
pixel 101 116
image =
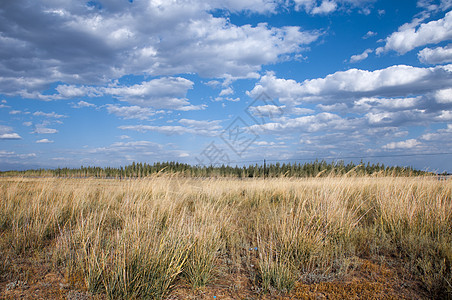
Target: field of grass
pixel 177 238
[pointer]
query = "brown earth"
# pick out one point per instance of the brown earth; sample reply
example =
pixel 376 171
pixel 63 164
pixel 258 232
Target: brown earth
pixel 34 278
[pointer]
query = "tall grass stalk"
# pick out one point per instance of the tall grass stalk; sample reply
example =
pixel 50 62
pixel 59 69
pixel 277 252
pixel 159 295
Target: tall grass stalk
pixel 138 238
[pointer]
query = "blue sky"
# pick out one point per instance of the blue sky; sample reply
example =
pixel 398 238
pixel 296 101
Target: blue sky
pixel 107 83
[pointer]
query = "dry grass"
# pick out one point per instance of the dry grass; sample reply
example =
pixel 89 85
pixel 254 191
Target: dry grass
pixel 139 238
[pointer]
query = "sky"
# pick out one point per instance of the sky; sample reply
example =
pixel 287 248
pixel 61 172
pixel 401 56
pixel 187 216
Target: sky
pixel 109 82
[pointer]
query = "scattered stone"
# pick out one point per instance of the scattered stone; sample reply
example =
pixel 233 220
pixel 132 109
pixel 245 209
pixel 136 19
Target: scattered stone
pixel 64 286
pixel 16 284
pixel 76 295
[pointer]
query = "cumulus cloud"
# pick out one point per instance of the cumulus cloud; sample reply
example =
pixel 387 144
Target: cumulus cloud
pixel 268 110
pixel 10 136
pixel 165 92
pixel 212 125
pixel 328 6
pixel 66 91
pixel 372 104
pixel 408 144
pixel 437 55
pixel 82 104
pixel 204 128
pixel 432 5
pixel 440 138
pixel 218 99
pixel 227 91
pixel 81 44
pixel 359 100
pixel 360 57
pixel 6 133
pixel 413 35
pixel 325 7
pixel 444 96
pixel 399 118
pixel 130 112
pixel 48 115
pixel 42 129
pixel 395 81
pixel 312 123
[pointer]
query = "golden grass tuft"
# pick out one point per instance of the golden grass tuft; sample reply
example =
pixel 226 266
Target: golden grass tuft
pixel 138 238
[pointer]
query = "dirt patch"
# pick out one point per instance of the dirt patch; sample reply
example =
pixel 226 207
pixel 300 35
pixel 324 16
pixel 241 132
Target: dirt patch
pixel 368 279
pixel 35 278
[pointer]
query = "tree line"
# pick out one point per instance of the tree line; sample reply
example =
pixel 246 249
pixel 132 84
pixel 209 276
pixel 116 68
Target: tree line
pixel 310 169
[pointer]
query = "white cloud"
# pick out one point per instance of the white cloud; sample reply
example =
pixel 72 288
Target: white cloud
pixel 126 148
pixel 130 112
pixel 336 107
pixel 44 141
pixel 204 128
pixel 66 91
pixel 408 144
pixel 409 37
pixel 120 152
pixel 166 92
pixel 219 99
pixel 268 110
pixel 325 8
pixel 329 6
pixel 212 125
pixel 367 104
pixel 227 91
pixel 80 45
pixel 443 137
pixel 399 118
pixel 270 144
pixel 430 5
pixel 12 154
pixel 6 133
pixel 213 83
pixel 15 112
pixel 28 123
pixel 192 107
pixel 444 96
pixel 41 129
pixel 312 123
pixel 48 115
pixel 369 34
pixel 82 104
pixel 395 81
pixel 10 136
pixel 446 4
pixel 427 4
pixel 360 57
pixel 437 55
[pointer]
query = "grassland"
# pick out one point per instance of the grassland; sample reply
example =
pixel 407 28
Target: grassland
pixel 178 238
